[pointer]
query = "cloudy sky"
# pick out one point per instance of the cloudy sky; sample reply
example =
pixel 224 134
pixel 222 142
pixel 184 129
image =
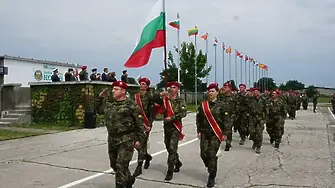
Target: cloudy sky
pixel 295 38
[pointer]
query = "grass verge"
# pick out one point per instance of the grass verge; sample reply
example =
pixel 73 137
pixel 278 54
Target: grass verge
pixel 324 99
pixel 53 127
pixel 11 134
pixel 192 107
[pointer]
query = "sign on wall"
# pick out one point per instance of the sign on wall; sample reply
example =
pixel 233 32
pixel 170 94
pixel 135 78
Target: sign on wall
pixel 46 73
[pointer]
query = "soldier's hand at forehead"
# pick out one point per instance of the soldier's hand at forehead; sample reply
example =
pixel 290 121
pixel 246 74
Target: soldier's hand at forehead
pixel 103 92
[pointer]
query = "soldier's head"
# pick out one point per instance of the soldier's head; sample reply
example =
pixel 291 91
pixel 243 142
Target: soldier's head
pixel 144 84
pixel 55 71
pixel 256 92
pixel 174 87
pixel 83 68
pixel 242 87
pixel 213 90
pixel 119 90
pixel 227 87
pixel 275 93
pixel 124 72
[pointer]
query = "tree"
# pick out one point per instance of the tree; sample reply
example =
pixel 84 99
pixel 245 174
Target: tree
pixel 188 58
pixel 233 85
pixel 265 83
pixel 283 87
pixel 310 91
pixel 294 85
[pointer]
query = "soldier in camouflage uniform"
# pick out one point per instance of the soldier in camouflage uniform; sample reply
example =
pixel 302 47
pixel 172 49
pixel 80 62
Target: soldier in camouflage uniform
pixel 292 105
pixel 304 101
pixel 172 134
pixel 125 129
pixel 242 113
pixel 83 75
pixel 146 101
pixel 228 100
pixel 211 130
pixel 258 114
pixel 275 125
pixel 298 100
pixel 315 100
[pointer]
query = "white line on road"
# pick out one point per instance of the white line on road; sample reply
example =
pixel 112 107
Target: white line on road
pixel 111 170
pixel 331 112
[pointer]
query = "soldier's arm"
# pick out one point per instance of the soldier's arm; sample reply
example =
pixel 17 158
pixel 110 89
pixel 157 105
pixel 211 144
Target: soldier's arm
pixel 155 97
pixel 138 122
pixel 224 122
pixel 182 111
pixel 199 118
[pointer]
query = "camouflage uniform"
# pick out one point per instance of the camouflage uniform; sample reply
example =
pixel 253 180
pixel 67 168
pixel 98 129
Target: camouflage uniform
pixel 228 101
pixel 275 125
pixel 242 116
pixel 315 101
pixel 172 135
pixel 148 103
pixel 258 114
pixel 124 126
pixel 292 106
pixel 298 101
pixel 304 100
pixel 83 75
pixel 209 142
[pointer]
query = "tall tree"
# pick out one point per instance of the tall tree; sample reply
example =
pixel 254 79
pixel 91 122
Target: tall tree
pixel 188 58
pixel 310 91
pixel 294 85
pixel 265 83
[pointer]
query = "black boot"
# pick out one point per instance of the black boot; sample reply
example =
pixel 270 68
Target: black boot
pixel 254 145
pixel 138 170
pixel 169 175
pixel 119 186
pixel 147 161
pixel 211 180
pixel 178 165
pixel 277 145
pixel 131 182
pixel 227 147
pixel 271 140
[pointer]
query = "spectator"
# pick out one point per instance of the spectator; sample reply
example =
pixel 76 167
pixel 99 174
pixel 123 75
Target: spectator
pixel 111 77
pixel 124 76
pixel 104 75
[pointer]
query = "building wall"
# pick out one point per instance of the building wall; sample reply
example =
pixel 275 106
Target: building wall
pixel 24 72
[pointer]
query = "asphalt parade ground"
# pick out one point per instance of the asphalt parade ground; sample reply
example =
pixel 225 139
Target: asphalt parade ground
pixel 79 159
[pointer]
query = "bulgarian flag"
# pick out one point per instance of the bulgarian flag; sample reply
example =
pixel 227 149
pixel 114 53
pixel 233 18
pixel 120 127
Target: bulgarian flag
pixel 215 43
pixel 175 24
pixel 152 36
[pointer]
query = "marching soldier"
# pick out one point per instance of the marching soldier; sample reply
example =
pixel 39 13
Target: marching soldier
pixel 242 113
pixel 125 129
pixel 315 100
pixel 276 121
pixel 228 101
pixel 298 100
pixel 146 101
pixel 292 105
pixel 258 114
pixel 304 101
pixel 210 121
pixel 174 110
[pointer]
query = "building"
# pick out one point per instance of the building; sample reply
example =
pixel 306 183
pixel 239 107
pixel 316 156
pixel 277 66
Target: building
pixel 24 70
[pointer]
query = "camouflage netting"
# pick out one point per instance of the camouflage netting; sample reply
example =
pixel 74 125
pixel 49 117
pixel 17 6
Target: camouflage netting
pixel 66 103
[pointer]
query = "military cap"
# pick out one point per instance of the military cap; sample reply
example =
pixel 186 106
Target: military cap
pixel 84 67
pixel 227 84
pixel 70 69
pixel 94 69
pixel 145 80
pixel 248 89
pixel 124 71
pixel 278 91
pixel 55 70
pixel 251 89
pixel 120 84
pixel 213 85
pixel 242 85
pixel 174 83
pixel 255 89
pixel 235 89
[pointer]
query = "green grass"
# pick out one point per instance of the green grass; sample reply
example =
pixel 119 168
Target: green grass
pixel 10 134
pixel 53 127
pixel 192 107
pixel 324 99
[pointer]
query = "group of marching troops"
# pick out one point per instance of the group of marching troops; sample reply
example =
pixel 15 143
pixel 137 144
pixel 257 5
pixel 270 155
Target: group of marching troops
pixel 129 122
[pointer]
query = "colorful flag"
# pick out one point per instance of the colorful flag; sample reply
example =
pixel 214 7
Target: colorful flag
pixel 152 36
pixel 223 46
pixel 215 42
pixel 175 24
pixel 204 36
pixel 263 66
pixel 193 31
pixel 228 50
pixel 239 54
pixel 246 58
pixel 251 59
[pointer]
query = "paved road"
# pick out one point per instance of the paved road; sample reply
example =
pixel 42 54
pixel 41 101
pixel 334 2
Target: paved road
pixel 79 159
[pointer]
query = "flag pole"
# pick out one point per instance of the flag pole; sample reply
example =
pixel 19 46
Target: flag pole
pixel 236 68
pixel 253 73
pixel 249 73
pixel 245 71
pixel 165 53
pixel 178 51
pixel 215 61
pixel 241 69
pixel 223 48
pixel 206 60
pixel 195 71
pixel 229 61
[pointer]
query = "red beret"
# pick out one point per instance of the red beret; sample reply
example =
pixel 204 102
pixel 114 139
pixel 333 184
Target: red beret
pixel 146 80
pixel 278 91
pixel 213 85
pixel 256 89
pixel 227 84
pixel 248 89
pixel 235 89
pixel 173 84
pixel 120 84
pixel 84 67
pixel 242 85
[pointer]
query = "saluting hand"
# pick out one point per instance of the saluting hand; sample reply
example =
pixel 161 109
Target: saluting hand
pixel 137 145
pixel 103 92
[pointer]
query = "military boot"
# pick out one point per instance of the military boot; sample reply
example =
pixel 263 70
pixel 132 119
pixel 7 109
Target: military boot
pixel 277 145
pixel 211 179
pixel 147 161
pixel 242 141
pixel 138 170
pixel 131 182
pixel 169 175
pixel 258 150
pixel 178 165
pixel 272 140
pixel 228 146
pixel 119 186
pixel 254 145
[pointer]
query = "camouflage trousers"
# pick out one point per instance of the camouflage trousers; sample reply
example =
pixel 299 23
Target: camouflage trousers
pixel 229 127
pixel 304 105
pixel 256 129
pixel 314 106
pixel 143 150
pixel 171 140
pixel 209 145
pixel 291 111
pixel 298 105
pixel 242 123
pixel 275 129
pixel 120 155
